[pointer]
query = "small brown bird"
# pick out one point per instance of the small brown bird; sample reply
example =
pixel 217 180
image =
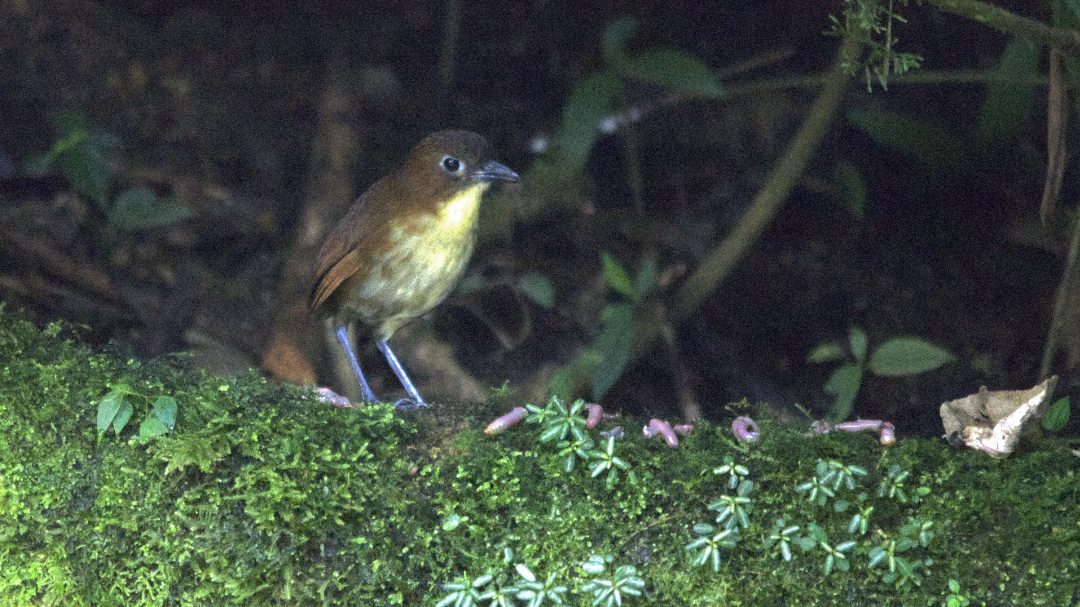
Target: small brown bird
pixel 404 244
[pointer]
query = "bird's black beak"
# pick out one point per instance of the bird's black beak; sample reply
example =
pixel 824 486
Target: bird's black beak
pixel 493 171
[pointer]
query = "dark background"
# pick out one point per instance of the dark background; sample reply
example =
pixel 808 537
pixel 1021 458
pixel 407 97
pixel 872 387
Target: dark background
pixel 218 104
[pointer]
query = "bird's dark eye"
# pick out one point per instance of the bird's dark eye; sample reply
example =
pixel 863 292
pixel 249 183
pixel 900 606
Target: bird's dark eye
pixel 451 164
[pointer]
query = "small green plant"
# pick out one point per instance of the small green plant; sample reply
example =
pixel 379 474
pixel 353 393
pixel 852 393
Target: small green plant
pixel 816 490
pixel 709 543
pixel 839 474
pixel 893 484
pixel 900 570
pixel 780 539
pixel 465 591
pixel 567 426
pixel 860 521
pixel 84 155
pixel 735 472
pixel 734 510
pixel 557 420
pixel 956 597
pixel 536 593
pixel 115 410
pixel 835 556
pixel 606 461
pixel 610 590
pixel 573 450
pixel 896 357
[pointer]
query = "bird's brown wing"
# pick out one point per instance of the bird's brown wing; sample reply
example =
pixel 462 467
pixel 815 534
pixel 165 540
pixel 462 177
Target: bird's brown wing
pixel 330 278
pixel 343 254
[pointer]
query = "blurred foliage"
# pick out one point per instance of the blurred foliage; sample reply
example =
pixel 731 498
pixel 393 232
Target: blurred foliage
pixel 262 495
pixel 896 357
pixel 1004 113
pixel 594 102
pixel 84 156
pixel 870 22
pixel 602 363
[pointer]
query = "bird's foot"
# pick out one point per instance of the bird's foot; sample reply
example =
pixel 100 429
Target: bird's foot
pixel 406 404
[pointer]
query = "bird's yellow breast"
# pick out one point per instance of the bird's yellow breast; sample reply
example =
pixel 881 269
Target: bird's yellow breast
pixel 425 258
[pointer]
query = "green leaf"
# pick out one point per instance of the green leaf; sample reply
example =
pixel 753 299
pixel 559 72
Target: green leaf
pixel 151 427
pixel 589 103
pixel 903 356
pixel 675 70
pixel 86 166
pixel 613 346
pixel 123 416
pixel 843 385
pixel 616 35
pixel 1057 415
pixel 164 410
pixel 849 181
pixel 1007 102
pixel 537 287
pixel 857 342
pixel 826 351
pixel 108 408
pixel 915 136
pixel 646 276
pixel 139 208
pixel 616 276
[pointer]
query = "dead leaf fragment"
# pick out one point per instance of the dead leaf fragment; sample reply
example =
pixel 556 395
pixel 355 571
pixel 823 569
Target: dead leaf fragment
pixel 993 421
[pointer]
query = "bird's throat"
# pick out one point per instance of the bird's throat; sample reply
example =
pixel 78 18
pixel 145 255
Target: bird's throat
pixel 458 215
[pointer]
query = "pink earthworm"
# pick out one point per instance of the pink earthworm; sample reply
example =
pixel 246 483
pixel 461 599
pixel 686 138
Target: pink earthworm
pixel 745 429
pixel 504 422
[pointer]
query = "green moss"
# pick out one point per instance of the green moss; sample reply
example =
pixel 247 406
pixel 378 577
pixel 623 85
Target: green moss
pixel 264 496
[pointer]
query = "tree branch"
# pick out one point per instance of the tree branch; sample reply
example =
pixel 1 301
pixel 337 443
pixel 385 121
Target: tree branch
pixel 1065 40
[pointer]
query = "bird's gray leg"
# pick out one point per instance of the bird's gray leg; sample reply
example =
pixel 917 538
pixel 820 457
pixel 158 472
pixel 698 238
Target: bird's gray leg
pixel 341 331
pixel 410 389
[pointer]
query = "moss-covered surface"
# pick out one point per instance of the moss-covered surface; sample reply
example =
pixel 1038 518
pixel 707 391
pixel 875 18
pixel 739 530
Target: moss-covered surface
pixel 263 496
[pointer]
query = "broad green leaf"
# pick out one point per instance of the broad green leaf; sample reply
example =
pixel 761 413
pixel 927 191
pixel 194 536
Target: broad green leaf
pixel 86 166
pixel 1007 102
pixel 843 385
pixel 849 181
pixel 826 351
pixel 151 427
pixel 615 275
pixel 1056 416
pixel 903 356
pixel 108 408
pixel 857 342
pixel 164 410
pixel 616 35
pixel 675 70
pixel 915 136
pixel 123 416
pixel 139 208
pixel 537 287
pixel 592 100
pixel 613 346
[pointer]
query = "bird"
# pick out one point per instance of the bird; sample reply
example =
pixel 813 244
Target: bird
pixel 403 245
